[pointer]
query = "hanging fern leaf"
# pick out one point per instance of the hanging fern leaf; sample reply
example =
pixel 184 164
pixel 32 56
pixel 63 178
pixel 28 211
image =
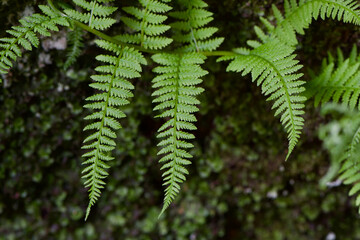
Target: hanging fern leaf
pixel 350 171
pixel 26 35
pixel 300 14
pixel 190 28
pixel 148 24
pixel 75 45
pixel 177 89
pixel 342 138
pixel 176 98
pixel 96 13
pixel 114 91
pixel 338 81
pixel 272 66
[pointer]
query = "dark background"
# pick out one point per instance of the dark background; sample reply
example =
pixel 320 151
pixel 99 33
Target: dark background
pixel 239 185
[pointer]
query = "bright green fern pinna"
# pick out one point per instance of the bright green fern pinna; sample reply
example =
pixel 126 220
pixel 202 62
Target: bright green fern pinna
pixel 114 92
pixel 176 96
pixel 175 38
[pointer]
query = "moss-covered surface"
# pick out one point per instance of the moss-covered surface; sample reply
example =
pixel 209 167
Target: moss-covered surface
pixel 239 185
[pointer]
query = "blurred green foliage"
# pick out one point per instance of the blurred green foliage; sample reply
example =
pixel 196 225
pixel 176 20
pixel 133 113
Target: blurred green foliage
pixel 239 186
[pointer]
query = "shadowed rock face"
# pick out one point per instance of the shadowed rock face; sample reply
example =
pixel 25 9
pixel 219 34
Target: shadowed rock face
pixel 239 186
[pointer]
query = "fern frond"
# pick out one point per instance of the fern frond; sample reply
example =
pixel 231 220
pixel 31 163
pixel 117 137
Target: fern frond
pixel 272 66
pixel 338 81
pixel 300 14
pixel 343 145
pixel 190 28
pixel 75 45
pixel 350 171
pixel 176 98
pixel 148 24
pixel 96 13
pixel 177 89
pixel 113 92
pixel 26 35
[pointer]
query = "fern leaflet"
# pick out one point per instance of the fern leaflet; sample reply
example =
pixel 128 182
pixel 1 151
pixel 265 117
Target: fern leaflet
pixel 75 45
pixel 96 13
pixel 148 24
pixel 337 81
pixel 25 35
pixel 190 28
pixel 114 91
pixel 176 97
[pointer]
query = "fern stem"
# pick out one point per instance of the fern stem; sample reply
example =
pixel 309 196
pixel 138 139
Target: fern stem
pixel 194 39
pixel 142 49
pixel 192 33
pixel 52 5
pixel 220 53
pixel 92 13
pixel 143 25
pixel 166 205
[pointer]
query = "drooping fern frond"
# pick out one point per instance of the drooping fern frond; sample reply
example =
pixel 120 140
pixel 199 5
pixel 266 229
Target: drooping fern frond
pixel 300 14
pixel 96 13
pixel 272 66
pixel 26 35
pixel 148 24
pixel 350 171
pixel 113 92
pixel 177 90
pixel 341 138
pixel 190 28
pixel 338 81
pixel 176 98
pixel 75 45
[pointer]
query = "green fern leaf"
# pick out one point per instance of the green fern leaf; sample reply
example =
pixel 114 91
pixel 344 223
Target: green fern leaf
pixel 177 89
pixel 343 146
pixel 113 91
pixel 25 35
pixel 96 15
pixel 176 98
pixel 339 81
pixel 190 28
pixel 300 14
pixel 148 24
pixel 272 66
pixel 75 45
